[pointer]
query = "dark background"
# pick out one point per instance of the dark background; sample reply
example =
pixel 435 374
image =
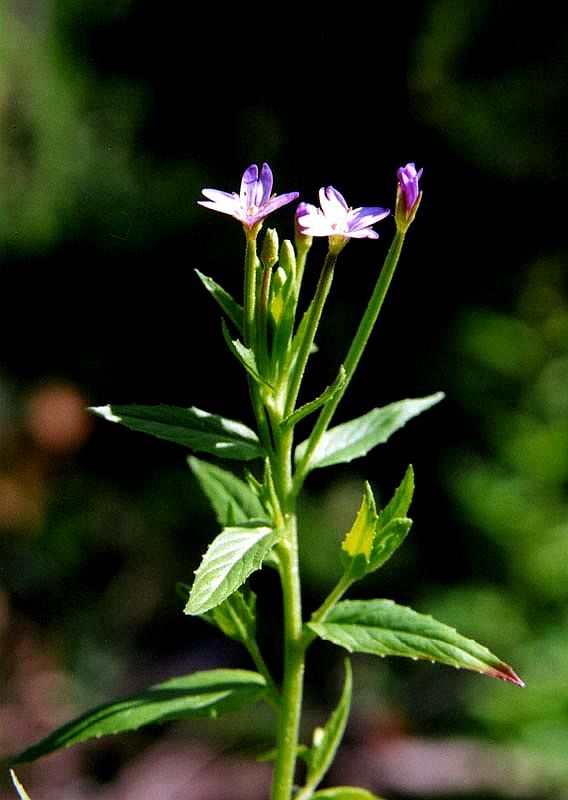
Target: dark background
pixel 112 119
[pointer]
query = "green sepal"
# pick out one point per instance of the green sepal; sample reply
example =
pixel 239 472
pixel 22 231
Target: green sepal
pixel 233 555
pixel 327 740
pixel 228 305
pixel 357 437
pixel 201 694
pixel 232 499
pixel 328 394
pixel 236 616
pixel 245 356
pixel 191 427
pixel 344 793
pixel 383 628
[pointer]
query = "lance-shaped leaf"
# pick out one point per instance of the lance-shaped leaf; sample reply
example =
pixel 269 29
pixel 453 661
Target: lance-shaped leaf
pixel 230 306
pixel 383 628
pixel 358 544
pixel 327 394
pixel 327 740
pixel 374 538
pixel 344 793
pixel 355 438
pixel 392 525
pixel 232 499
pixel 245 355
pixel 191 427
pixel 232 556
pixel 202 694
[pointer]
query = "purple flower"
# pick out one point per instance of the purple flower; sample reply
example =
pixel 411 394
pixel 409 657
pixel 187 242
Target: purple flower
pixel 408 184
pixel 335 218
pixel 255 200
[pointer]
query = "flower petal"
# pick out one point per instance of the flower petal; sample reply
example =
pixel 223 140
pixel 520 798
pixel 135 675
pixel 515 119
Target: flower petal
pixel 264 186
pixel 248 186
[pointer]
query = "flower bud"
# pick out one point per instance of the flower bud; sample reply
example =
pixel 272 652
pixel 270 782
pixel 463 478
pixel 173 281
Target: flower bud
pixel 408 196
pixel 269 251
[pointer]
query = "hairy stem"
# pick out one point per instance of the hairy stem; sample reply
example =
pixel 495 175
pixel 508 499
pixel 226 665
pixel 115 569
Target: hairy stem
pixel 293 681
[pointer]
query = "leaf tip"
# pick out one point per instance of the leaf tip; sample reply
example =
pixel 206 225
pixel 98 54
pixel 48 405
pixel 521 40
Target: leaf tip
pixel 505 673
pixel 105 412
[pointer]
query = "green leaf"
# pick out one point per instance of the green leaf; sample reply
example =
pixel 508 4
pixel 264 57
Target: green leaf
pixel 392 525
pixel 18 786
pixel 387 541
pixel 190 427
pixel 245 355
pixel 383 628
pixel 358 543
pixel 232 499
pixel 234 555
pixel 355 438
pixel 230 306
pixel 236 616
pixel 319 401
pixel 202 694
pixel 344 793
pixel 327 740
pixel 400 503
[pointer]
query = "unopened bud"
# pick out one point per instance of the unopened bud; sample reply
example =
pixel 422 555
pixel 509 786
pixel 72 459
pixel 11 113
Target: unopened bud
pixel 269 252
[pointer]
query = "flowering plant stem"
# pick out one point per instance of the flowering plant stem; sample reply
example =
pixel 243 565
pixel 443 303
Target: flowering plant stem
pixel 259 515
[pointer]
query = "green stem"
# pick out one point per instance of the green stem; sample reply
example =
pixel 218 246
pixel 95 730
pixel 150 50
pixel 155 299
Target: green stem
pixel 252 265
pixel 315 312
pixel 293 681
pixel 330 601
pixel 354 355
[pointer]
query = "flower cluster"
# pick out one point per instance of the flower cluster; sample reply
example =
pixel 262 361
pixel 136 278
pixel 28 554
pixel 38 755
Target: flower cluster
pixel 334 218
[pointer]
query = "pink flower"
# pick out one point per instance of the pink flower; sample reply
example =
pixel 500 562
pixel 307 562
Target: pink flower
pixel 335 218
pixel 255 200
pixel 409 190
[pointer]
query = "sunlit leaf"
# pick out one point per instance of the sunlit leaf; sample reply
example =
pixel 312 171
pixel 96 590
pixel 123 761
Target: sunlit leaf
pixel 383 628
pixel 358 543
pixel 232 499
pixel 202 694
pixel 357 437
pixel 191 427
pixel 234 555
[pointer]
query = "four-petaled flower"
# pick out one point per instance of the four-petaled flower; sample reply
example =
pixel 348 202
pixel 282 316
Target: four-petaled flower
pixel 337 220
pixel 255 200
pixel 409 190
